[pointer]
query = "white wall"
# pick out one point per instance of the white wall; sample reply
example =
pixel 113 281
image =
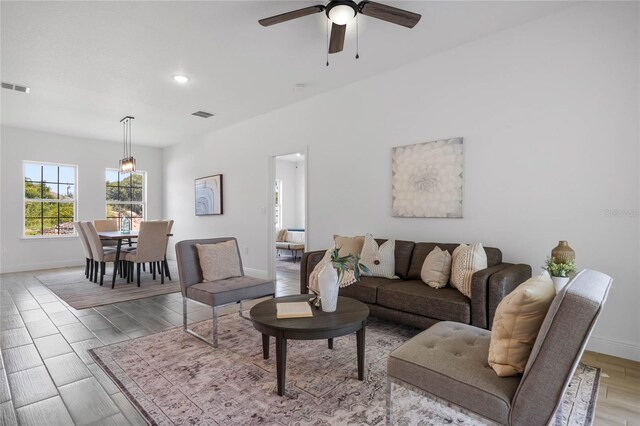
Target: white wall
pixel 92 158
pixel 549 114
pixel 286 172
pixel 300 194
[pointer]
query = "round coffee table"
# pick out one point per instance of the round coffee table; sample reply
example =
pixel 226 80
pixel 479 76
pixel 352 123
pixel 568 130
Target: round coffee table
pixel 349 317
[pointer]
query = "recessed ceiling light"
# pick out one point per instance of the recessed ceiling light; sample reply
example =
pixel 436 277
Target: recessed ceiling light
pixel 181 78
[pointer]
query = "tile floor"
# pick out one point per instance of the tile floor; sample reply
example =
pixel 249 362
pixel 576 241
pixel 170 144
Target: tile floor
pixel 48 377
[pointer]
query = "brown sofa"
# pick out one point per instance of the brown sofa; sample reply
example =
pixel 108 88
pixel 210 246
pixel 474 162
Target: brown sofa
pixel 410 301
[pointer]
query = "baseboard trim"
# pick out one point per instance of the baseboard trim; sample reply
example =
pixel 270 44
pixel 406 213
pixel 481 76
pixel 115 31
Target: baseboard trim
pixel 258 273
pixel 612 347
pixel 24 267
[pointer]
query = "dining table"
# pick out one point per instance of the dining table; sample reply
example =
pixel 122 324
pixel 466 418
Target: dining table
pixel 118 237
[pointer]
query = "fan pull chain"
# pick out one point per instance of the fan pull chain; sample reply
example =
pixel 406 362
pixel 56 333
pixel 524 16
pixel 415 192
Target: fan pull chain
pixel 328 23
pixel 357 36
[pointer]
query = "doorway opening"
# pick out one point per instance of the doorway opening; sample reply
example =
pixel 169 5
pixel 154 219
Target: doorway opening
pixel 289 189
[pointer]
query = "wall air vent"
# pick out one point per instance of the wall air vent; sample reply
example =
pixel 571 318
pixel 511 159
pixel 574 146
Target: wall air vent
pixel 16 87
pixel 202 114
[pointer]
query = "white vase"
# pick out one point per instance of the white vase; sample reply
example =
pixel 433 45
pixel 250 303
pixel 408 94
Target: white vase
pixel 559 282
pixel 329 287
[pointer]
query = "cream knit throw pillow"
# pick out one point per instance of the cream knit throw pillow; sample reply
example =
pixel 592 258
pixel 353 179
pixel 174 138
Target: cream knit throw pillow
pixel 219 261
pixel 436 268
pixel 465 261
pixel 381 260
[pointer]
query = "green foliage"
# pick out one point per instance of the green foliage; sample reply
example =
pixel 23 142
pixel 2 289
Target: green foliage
pixel 345 263
pixel 559 269
pixel 129 189
pixel 36 190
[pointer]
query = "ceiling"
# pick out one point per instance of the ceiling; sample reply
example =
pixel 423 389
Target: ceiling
pixel 89 64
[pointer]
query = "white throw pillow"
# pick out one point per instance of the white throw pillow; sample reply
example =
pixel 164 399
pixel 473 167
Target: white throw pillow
pixel 467 260
pixel 219 261
pixel 380 260
pixel 436 268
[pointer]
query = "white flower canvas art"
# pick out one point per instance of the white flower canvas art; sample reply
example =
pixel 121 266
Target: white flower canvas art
pixel 427 179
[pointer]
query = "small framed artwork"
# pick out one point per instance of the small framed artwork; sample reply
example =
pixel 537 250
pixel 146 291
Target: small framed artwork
pixel 209 195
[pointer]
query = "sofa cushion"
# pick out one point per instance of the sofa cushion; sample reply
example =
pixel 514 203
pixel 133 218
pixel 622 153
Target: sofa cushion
pixel 449 360
pixel 465 261
pixel 403 252
pixel 216 293
pixel 436 269
pixel 517 323
pixel 421 250
pixel 281 236
pixel 349 245
pixel 379 259
pixel 446 304
pixel 367 289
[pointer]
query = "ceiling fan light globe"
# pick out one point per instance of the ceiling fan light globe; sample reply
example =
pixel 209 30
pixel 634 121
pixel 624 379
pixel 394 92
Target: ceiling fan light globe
pixel 341 14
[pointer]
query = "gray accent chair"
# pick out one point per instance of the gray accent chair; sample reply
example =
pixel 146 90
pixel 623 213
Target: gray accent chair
pixel 215 294
pixel 448 362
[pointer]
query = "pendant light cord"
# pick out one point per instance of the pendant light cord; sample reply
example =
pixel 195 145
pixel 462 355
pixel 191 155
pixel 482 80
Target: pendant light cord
pixel 328 24
pixel 357 36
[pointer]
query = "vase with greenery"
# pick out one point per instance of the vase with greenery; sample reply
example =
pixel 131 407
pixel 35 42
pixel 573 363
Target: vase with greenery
pixel 331 276
pixel 560 271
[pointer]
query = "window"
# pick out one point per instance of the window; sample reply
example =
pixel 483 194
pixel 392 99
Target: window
pixel 125 195
pixel 49 199
pixel 278 205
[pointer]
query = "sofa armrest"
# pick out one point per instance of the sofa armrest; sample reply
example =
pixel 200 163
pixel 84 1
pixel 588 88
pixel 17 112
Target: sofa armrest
pixel 504 282
pixel 309 261
pixel 480 294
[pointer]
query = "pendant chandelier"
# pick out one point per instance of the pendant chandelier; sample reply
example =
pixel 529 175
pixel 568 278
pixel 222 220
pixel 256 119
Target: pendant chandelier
pixel 128 163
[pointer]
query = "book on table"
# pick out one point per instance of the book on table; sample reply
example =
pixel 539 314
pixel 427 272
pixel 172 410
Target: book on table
pixel 293 310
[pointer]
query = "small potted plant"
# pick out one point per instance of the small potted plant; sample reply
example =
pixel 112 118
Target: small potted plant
pixel 331 277
pixel 560 271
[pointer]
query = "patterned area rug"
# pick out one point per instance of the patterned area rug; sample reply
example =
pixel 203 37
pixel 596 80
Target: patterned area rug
pixel 71 286
pixel 175 379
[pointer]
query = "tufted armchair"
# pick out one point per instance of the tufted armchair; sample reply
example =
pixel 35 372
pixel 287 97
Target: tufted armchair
pixel 448 362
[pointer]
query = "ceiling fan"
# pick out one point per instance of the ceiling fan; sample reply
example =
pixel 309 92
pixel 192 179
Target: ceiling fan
pixel 341 12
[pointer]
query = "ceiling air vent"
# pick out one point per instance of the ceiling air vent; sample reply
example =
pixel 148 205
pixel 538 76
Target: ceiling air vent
pixel 202 114
pixel 16 87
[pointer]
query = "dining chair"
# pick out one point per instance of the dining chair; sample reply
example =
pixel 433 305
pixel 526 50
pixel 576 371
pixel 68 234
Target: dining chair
pixel 101 255
pixel 151 248
pixel 107 225
pixel 88 269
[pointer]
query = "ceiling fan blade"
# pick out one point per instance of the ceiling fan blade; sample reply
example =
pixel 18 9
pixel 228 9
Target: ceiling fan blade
pixel 336 43
pixel 389 13
pixel 284 17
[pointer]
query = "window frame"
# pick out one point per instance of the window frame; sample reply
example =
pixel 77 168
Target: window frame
pixel 142 203
pixel 278 206
pixel 26 200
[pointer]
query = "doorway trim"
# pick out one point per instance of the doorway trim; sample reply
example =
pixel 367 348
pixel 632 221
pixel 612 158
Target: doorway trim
pixel 271 191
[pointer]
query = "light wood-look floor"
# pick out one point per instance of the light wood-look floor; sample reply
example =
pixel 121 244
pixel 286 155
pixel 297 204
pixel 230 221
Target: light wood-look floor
pixel 619 393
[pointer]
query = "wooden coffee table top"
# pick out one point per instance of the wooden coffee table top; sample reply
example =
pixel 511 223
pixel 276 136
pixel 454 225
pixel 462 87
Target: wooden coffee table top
pixel 349 313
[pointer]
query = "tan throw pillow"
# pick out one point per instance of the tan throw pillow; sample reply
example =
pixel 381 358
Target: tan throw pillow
pixel 349 245
pixel 380 260
pixel 219 261
pixel 436 268
pixel 282 236
pixel 516 324
pixel 465 261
